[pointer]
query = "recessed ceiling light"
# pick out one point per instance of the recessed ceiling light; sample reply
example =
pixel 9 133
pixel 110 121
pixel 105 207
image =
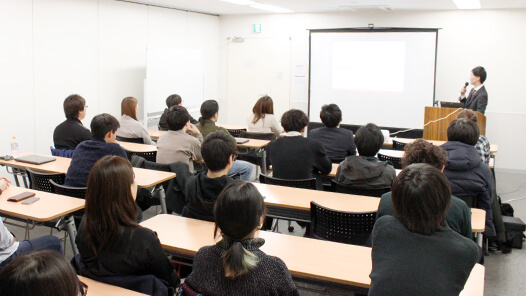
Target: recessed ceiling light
pixel 241 2
pixel 271 8
pixel 467 4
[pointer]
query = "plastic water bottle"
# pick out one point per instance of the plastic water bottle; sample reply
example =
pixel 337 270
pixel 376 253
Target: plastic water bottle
pixel 14 148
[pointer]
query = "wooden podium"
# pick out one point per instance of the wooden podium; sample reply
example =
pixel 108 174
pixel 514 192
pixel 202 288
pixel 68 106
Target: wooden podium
pixel 438 130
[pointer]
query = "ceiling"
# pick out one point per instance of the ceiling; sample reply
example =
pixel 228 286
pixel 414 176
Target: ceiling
pixel 221 8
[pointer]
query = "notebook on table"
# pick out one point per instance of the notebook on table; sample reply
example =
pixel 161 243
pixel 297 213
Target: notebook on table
pixel 35 159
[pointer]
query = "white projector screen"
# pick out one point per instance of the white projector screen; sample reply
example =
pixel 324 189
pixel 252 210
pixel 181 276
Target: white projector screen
pixel 382 76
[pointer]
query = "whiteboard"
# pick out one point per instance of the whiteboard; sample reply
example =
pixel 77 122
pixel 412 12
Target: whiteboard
pixel 173 71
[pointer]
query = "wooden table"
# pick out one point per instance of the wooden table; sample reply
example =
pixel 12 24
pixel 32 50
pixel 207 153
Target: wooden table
pixel 101 289
pixel 338 264
pixel 137 147
pixel 50 207
pixel 143 177
pixel 493 147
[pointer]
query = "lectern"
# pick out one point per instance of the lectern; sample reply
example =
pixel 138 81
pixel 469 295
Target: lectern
pixel 438 130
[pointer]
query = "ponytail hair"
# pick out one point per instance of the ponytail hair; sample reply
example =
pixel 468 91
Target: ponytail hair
pixel 209 108
pixel 238 212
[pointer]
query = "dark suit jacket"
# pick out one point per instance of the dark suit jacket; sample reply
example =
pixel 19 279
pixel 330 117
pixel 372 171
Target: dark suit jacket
pixel 478 102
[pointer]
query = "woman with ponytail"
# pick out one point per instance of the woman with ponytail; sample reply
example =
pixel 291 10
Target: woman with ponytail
pixel 235 265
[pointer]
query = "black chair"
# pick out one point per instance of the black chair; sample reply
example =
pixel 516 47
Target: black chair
pixel 131 140
pixel 254 155
pixel 149 155
pixel 339 226
pixel 236 132
pixel 397 145
pixel 40 180
pixel 338 187
pixel 470 200
pixel 396 162
pixel 78 192
pixel 257 136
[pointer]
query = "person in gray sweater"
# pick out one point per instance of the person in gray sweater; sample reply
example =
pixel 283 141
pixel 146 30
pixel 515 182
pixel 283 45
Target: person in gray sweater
pixel 235 265
pixel 415 252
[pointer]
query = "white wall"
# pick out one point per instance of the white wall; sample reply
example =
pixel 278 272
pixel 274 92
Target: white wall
pixel 493 39
pixel 96 48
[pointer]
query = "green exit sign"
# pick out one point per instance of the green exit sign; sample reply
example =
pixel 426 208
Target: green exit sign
pixel 257 28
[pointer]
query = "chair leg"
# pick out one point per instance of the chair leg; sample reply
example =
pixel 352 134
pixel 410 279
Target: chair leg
pixel 72 232
pixel 162 199
pixel 290 228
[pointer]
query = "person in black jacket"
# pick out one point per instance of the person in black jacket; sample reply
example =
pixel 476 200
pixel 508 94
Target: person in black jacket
pixel 71 132
pixel 338 142
pixel 295 157
pixel 202 190
pixel 172 100
pixel 467 174
pixel 110 241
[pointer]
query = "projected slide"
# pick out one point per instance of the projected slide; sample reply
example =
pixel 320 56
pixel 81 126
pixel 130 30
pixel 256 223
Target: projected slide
pixel 368 66
pixel 382 77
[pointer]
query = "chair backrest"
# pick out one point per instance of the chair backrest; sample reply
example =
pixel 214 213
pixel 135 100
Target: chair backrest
pixel 131 140
pixel 396 162
pixel 338 187
pixel 470 200
pixel 40 180
pixel 149 155
pixel 236 132
pixel 398 145
pixel 339 226
pixel 303 183
pixel 258 136
pixel 78 192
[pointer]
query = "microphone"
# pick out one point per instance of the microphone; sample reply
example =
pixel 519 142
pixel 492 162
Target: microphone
pixel 466 84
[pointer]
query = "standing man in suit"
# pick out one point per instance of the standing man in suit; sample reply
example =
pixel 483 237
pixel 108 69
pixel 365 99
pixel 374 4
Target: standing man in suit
pixel 477 99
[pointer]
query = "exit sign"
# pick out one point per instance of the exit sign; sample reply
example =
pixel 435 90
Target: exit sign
pixel 257 28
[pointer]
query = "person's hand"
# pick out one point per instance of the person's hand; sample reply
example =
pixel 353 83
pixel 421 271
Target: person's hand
pixel 4 183
pixel 463 91
pixel 192 129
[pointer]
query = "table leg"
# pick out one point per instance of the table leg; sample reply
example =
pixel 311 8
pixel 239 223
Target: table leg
pixel 264 162
pixel 479 239
pixel 72 232
pixel 162 199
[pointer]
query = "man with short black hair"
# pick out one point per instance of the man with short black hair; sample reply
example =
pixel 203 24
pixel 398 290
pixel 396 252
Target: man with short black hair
pixel 294 157
pixel 477 99
pixel 338 142
pixel 202 190
pixel 171 100
pixel 176 144
pixel 102 143
pixel 71 132
pixel 366 171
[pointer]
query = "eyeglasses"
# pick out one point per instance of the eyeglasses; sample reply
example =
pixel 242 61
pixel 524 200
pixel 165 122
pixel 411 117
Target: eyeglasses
pixel 83 289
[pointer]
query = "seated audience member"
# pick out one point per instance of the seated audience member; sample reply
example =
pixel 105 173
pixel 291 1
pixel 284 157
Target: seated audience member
pixel 102 143
pixel 262 119
pixel 467 174
pixel 235 265
pixel 483 146
pixel 207 125
pixel 415 252
pixel 458 216
pixel 338 142
pixel 44 273
pixel 71 132
pixel 202 190
pixel 11 248
pixel 130 127
pixel 294 156
pixel 366 171
pixel 176 144
pixel 172 100
pixel 110 241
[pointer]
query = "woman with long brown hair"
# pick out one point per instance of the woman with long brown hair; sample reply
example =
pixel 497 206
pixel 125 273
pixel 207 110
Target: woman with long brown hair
pixel 110 241
pixel 130 126
pixel 262 119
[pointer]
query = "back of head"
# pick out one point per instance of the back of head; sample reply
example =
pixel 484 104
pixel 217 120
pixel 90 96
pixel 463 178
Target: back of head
pixel 480 72
pixel 463 130
pixel 129 107
pixel 421 151
pixel 294 120
pixel 331 115
pixel 110 204
pixel 177 117
pixel 263 106
pixel 44 273
pixel 238 211
pixel 103 123
pixel 466 113
pixel 421 196
pixel 217 149
pixel 369 139
pixel 209 108
pixel 173 100
pixel 73 105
